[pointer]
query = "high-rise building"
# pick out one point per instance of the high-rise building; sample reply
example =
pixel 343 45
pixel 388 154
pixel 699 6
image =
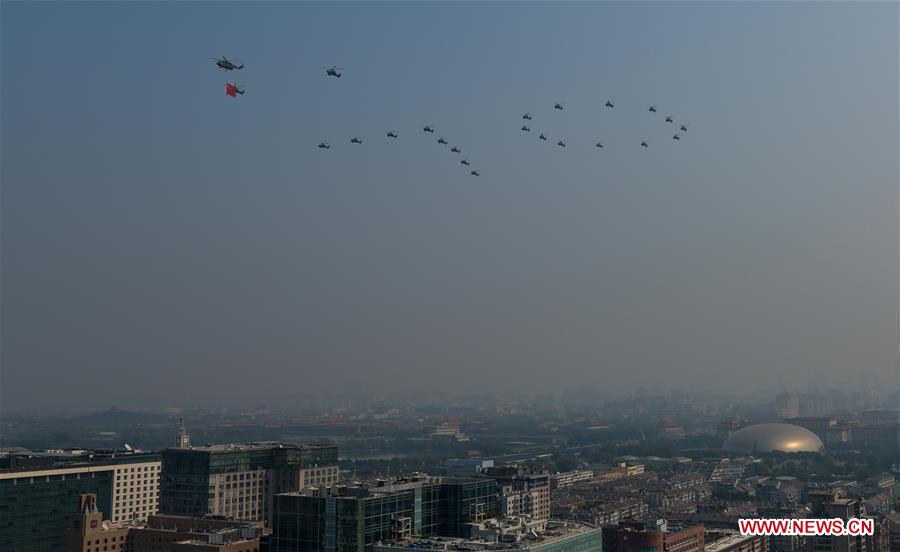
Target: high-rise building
pixel 36 502
pixel 353 519
pixel 239 481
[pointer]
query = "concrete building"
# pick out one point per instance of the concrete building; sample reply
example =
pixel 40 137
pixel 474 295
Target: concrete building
pixel 89 532
pixel 522 492
pixel 239 481
pixel 652 536
pixel 35 502
pixel 567 479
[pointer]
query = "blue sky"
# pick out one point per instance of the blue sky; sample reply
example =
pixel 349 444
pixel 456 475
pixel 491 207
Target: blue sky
pixel 155 228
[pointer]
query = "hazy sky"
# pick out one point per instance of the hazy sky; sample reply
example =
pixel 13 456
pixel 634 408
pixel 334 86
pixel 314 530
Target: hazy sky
pixel 165 244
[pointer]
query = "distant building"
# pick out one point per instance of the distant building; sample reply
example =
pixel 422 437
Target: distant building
pixel 567 479
pixel 353 519
pixel 88 532
pixel 239 481
pixel 787 405
pixel 832 504
pixel 35 502
pixel 467 466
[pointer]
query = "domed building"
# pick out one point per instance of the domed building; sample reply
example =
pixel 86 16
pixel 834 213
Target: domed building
pixel 773 437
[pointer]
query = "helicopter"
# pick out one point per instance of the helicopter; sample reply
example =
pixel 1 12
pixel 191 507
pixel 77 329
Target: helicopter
pixel 227 64
pixel 392 134
pixel 600 145
pixel 669 119
pixel 561 144
pixel 653 109
pixel 684 128
pixel 474 173
pixel 465 162
pixel 542 137
pixel 609 103
pixel 526 128
pixel 442 140
pixel 356 140
pixel 455 149
pixel 233 90
pixel 676 137
pixel 527 116
pixel 428 128
pixel 324 145
pixel 644 144
pixel 333 71
pixel 558 106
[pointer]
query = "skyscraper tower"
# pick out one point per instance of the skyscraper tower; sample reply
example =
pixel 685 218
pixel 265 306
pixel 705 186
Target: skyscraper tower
pixel 183 440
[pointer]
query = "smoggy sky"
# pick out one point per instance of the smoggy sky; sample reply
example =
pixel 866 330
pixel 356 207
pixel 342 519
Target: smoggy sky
pixel 165 244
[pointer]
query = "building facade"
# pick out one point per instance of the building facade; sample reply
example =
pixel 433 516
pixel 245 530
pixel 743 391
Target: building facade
pixel 35 503
pixel 353 519
pixel 239 481
pixel 89 532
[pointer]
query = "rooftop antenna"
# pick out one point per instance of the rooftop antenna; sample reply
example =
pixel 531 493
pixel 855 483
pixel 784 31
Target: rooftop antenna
pixel 183 440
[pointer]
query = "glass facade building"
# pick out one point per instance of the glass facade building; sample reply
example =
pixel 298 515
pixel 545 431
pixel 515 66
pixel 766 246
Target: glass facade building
pixel 355 521
pixel 39 491
pixel 238 481
pixel 34 508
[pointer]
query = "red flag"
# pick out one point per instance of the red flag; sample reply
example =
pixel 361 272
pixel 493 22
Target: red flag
pixel 231 90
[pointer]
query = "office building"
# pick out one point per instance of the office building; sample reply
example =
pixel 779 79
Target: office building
pixel 348 519
pixel 239 481
pixel 35 502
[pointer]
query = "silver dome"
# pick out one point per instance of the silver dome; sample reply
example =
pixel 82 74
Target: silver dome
pixel 771 437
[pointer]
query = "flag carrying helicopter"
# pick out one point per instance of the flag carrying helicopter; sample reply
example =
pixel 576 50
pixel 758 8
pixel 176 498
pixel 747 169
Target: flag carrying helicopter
pixel 474 173
pixel 644 144
pixel 455 149
pixel 428 128
pixel 561 144
pixel 324 145
pixel 669 119
pixel 653 109
pixel 684 128
pixel 356 140
pixel 333 71
pixel 609 103
pixel 542 137
pixel 227 64
pixel 465 162
pixel 558 106
pixel 526 128
pixel 392 134
pixel 527 116
pixel 600 145
pixel 676 137
pixel 442 140
pixel 233 89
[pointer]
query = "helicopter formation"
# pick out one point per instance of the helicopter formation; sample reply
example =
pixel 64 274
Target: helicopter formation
pixel 234 90
pixel 600 145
